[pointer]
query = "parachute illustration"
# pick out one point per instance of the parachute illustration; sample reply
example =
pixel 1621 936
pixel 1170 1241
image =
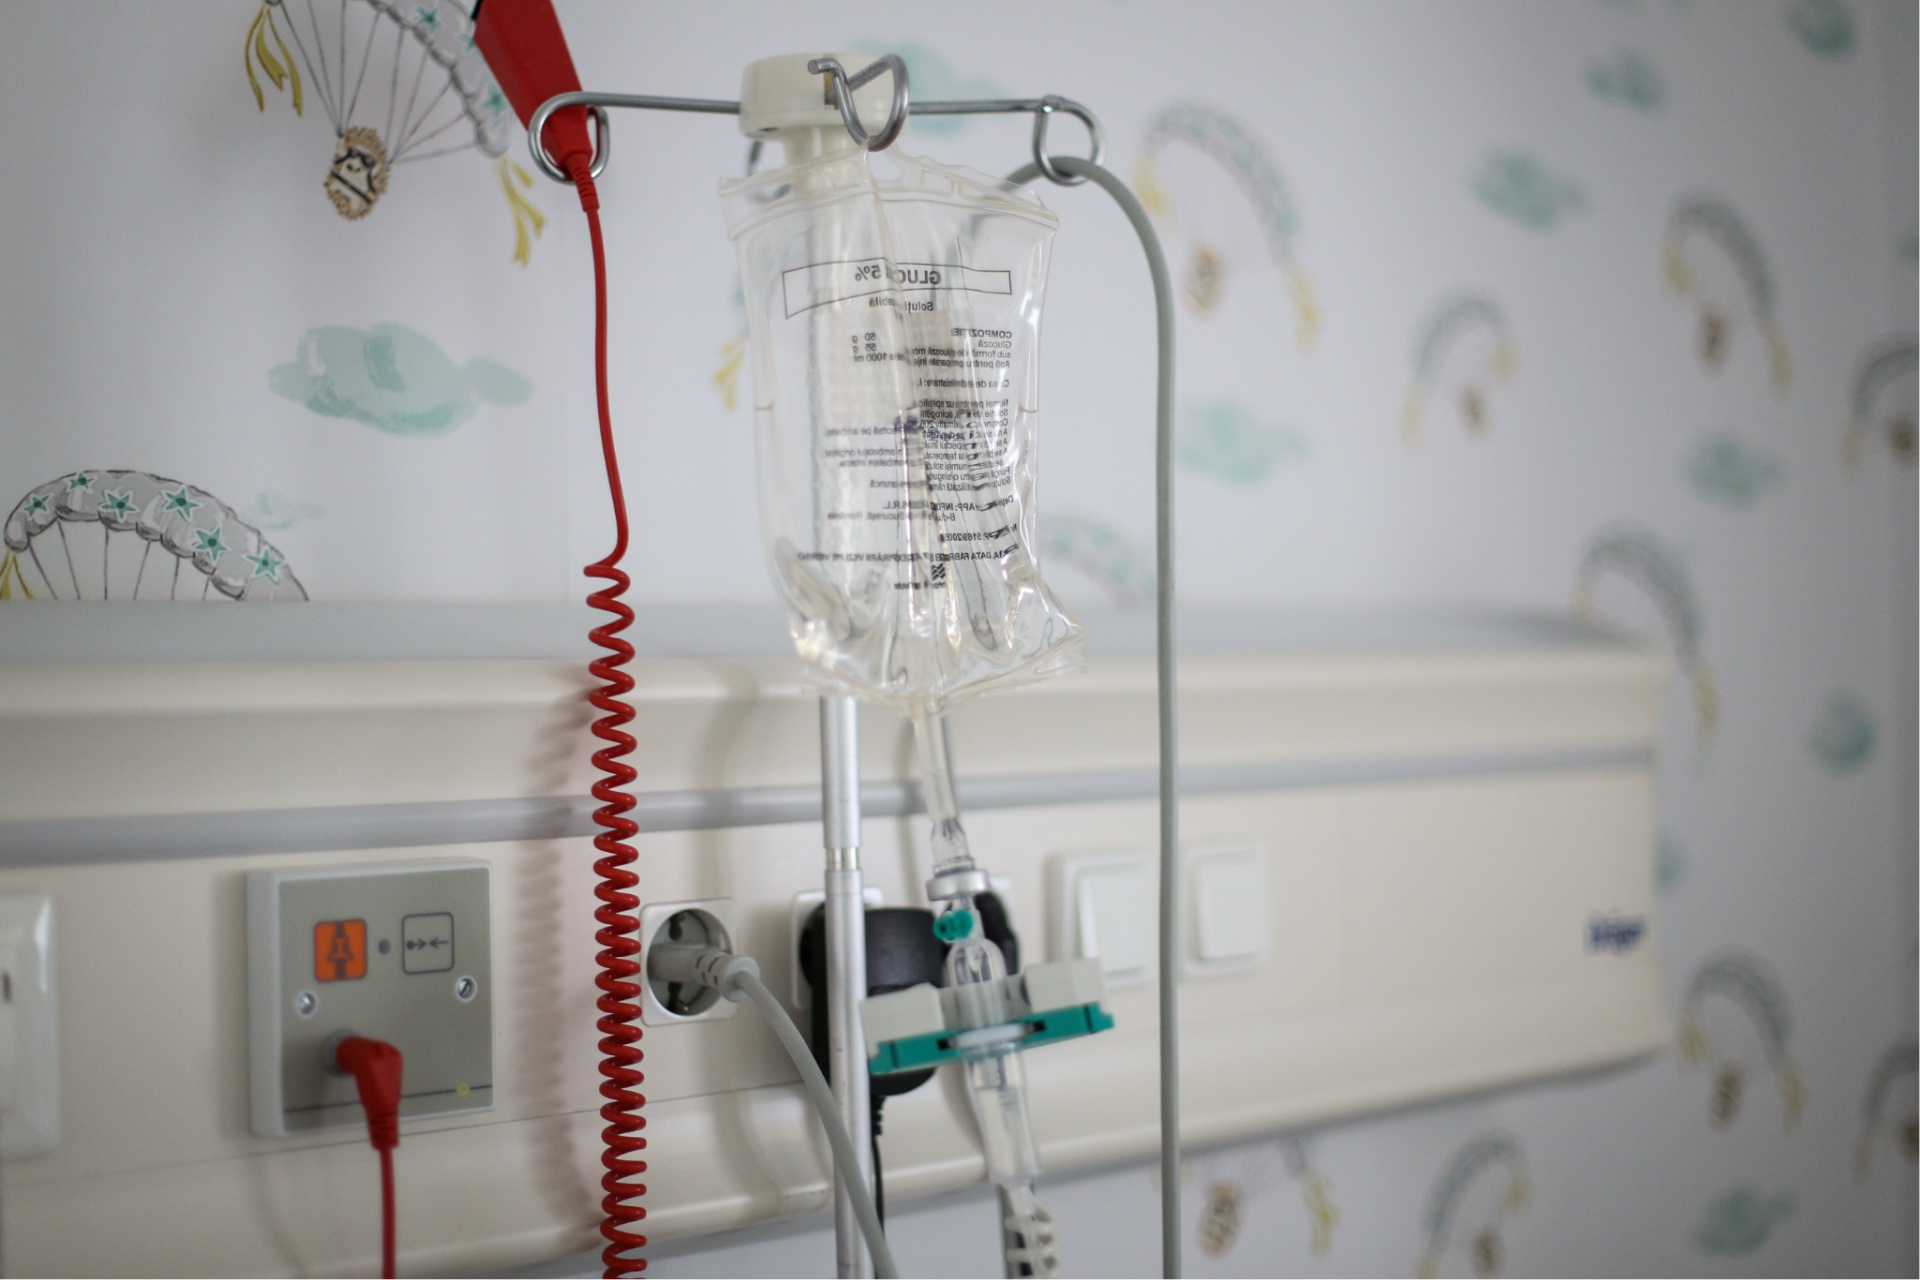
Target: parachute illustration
pixel 1192 158
pixel 1235 1178
pixel 1887 1110
pixel 1643 559
pixel 1466 343
pixel 1716 264
pixel 1101 554
pixel 1883 396
pixel 92 535
pixel 400 81
pixel 1735 1011
pixel 1482 1187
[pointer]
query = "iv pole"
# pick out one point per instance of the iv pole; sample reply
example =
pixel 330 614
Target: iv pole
pixel 839 730
pixel 846 958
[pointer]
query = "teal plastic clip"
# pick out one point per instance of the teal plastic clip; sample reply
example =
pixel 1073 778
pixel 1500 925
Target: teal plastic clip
pixel 911 1053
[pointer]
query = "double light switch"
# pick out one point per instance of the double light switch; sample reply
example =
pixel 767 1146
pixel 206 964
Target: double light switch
pixel 1105 904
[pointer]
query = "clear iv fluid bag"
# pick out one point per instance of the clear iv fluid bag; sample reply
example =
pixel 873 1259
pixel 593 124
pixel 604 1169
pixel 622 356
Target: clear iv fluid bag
pixel 894 327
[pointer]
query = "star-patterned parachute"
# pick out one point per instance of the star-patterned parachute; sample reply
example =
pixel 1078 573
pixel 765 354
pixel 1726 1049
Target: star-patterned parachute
pixel 207 551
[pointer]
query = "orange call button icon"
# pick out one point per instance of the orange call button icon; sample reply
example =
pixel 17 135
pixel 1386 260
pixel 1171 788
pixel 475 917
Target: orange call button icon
pixel 340 950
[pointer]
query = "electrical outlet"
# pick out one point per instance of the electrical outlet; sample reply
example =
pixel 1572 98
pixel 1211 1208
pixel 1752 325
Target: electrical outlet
pixel 708 922
pixel 400 952
pixel 805 903
pixel 29 1028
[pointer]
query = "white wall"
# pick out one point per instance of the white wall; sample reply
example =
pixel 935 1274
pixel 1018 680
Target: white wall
pixel 166 245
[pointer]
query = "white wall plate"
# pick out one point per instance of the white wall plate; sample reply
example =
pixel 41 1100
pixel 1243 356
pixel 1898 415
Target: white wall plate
pixel 30 1045
pixel 1226 924
pixel 1101 903
pixel 400 952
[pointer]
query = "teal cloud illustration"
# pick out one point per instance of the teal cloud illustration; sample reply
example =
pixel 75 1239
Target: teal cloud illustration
pixel 1515 185
pixel 1124 571
pixel 934 80
pixel 1225 440
pixel 1724 471
pixel 275 510
pixel 1739 1222
pixel 1844 735
pixel 392 378
pixel 1669 864
pixel 1824 26
pixel 1630 79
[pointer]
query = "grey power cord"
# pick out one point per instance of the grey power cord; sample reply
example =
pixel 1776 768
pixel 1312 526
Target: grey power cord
pixel 1169 719
pixel 737 978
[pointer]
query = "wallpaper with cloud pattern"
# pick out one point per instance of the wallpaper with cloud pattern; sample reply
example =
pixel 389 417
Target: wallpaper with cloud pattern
pixel 1599 305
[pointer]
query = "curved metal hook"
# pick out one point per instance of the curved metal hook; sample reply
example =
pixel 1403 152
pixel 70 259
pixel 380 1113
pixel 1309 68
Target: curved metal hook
pixel 844 86
pixel 1042 114
pixel 602 134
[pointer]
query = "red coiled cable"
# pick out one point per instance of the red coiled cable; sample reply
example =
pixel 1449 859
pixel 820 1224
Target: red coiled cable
pixel 618 927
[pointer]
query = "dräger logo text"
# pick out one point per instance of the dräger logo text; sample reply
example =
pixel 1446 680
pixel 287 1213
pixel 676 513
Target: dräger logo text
pixel 1616 933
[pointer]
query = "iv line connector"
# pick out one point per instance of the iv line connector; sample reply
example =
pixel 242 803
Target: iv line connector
pixel 957 884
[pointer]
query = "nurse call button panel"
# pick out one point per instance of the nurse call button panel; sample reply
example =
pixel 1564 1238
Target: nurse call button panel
pixel 396 952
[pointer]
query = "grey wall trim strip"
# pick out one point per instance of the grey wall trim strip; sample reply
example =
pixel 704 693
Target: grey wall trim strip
pixel 162 837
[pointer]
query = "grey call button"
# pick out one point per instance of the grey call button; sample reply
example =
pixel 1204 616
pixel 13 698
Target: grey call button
pixel 426 943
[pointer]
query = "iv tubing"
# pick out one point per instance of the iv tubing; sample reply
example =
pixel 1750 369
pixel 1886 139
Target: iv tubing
pixel 1169 723
pixel 844 1154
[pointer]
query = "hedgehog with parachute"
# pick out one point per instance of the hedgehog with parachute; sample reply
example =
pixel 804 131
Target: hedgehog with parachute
pixel 400 81
pixel 1734 1004
pixel 1463 322
pixel 1714 262
pixel 1640 557
pixel 1900 1062
pixel 1885 377
pixel 1192 155
pixel 1461 1194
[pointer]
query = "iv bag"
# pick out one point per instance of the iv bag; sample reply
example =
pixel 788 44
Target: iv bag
pixel 894 328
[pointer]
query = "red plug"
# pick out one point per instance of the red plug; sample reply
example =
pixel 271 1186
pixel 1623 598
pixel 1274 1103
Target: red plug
pixel 375 1068
pixel 527 53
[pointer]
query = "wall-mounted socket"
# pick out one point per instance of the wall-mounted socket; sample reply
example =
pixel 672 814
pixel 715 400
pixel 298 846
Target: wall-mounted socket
pixel 29 1028
pixel 805 903
pixel 710 922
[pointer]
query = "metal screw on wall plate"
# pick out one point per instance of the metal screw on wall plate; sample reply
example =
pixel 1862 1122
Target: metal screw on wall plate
pixel 464 989
pixel 305 1003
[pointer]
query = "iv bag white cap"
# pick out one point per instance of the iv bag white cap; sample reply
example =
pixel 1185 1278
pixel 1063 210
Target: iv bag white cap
pixel 778 94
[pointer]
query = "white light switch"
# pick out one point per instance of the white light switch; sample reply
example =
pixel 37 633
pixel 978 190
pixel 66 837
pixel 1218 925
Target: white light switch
pixel 1103 906
pixel 1227 886
pixel 29 1029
